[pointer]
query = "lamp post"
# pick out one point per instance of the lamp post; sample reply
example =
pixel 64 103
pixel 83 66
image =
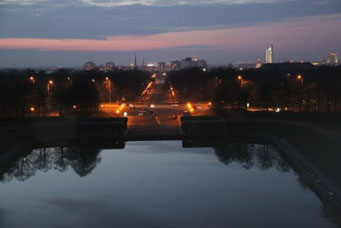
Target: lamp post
pixel 300 78
pixel 240 80
pixel 50 83
pixel 109 88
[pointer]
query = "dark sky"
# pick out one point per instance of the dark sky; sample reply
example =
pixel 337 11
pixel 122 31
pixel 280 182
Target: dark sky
pixel 68 33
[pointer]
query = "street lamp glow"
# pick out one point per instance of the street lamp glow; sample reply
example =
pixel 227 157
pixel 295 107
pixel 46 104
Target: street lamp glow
pixel 50 82
pixel 299 77
pixel 239 77
pixel 74 106
pixel 93 80
pixel 32 79
pixel 32 109
pixel 107 78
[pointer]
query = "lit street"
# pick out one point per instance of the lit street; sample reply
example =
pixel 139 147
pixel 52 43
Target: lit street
pixel 157 113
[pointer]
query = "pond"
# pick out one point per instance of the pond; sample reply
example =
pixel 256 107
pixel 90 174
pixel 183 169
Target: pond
pixel 157 184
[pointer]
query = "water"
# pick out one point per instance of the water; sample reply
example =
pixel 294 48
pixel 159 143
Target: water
pixel 157 184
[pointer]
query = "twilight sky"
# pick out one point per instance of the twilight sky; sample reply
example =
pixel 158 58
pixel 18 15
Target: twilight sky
pixel 71 32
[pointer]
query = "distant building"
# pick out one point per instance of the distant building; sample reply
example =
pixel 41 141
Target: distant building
pixel 269 54
pixel 110 66
pixel 259 63
pixel 162 67
pixel 186 63
pixel 333 59
pixel 241 65
pixel 150 68
pixel 89 66
pixel 189 63
pixel 101 67
pixel 175 65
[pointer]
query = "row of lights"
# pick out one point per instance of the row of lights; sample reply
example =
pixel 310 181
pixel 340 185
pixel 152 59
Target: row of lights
pixel 33 80
pixel 146 89
pixel 32 108
pixel 299 77
pixel 120 109
pixel 172 90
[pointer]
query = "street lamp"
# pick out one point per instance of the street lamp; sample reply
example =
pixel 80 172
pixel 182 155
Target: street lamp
pixel 32 79
pixel 300 78
pixel 240 80
pixel 109 88
pixel 50 83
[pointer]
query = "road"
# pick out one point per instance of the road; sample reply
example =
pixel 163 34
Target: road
pixel 157 113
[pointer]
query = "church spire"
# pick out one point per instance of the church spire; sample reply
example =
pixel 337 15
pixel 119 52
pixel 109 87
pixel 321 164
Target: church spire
pixel 135 62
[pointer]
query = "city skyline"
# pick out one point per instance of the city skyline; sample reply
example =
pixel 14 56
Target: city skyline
pixel 69 33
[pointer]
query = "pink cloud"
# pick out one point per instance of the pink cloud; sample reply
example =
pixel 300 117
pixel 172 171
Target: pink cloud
pixel 309 31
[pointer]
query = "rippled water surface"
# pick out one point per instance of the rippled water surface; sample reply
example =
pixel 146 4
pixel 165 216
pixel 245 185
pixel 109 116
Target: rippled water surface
pixel 157 184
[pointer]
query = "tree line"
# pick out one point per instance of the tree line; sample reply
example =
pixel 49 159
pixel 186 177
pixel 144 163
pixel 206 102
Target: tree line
pixel 81 160
pixel 27 92
pixel 312 90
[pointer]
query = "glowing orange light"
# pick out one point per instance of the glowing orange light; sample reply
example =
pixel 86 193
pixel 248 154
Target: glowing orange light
pixel 107 78
pixel 299 77
pixel 239 77
pixel 117 111
pixel 74 106
pixel 32 109
pixel 50 82
pixel 32 78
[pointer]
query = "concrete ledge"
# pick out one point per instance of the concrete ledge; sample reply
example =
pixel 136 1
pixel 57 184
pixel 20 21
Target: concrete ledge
pixel 319 183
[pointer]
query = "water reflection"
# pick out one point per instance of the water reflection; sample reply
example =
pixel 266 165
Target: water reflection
pixel 81 160
pixel 180 187
pixel 249 155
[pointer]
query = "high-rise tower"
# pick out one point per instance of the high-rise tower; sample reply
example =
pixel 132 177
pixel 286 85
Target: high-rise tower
pixel 269 54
